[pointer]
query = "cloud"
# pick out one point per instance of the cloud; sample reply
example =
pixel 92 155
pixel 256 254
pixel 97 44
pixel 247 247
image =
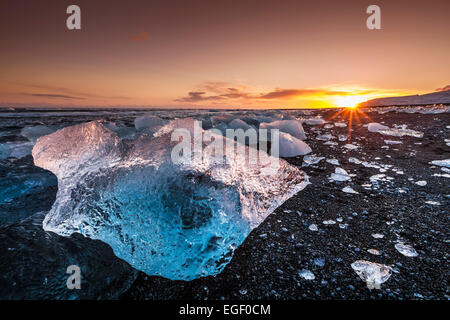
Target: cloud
pixel 51 95
pixel 222 91
pixel 447 87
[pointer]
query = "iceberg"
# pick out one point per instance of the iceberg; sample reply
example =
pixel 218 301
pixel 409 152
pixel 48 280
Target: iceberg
pixel 180 221
pixel 291 146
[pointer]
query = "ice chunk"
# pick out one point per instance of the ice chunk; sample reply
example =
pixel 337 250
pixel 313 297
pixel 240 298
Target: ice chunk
pixel 374 274
pixel 406 250
pixel 179 221
pixel 396 132
pixel 324 137
pixel 314 121
pixel 307 275
pixel 328 222
pixel 334 162
pixel 313 227
pixel 239 124
pixel 350 146
pixel 374 252
pixel 354 160
pixel 375 127
pixel 392 142
pixel 311 159
pixel 15 150
pixel 441 163
pixel 340 124
pixel 148 122
pixel 421 183
pixel 433 203
pixel 340 175
pixel 32 133
pixel 292 147
pixel 349 190
pixel 377 235
pixel 292 127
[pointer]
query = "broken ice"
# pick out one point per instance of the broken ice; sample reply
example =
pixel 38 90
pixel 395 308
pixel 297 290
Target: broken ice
pixel 406 250
pixel 374 274
pixel 179 221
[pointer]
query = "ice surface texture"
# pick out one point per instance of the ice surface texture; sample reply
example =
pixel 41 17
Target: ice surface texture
pixel 178 221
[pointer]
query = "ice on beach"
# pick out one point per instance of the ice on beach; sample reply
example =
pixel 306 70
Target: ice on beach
pixel 325 137
pixel 406 250
pixel 375 127
pixel 292 127
pixel 314 121
pixel 354 160
pixel 349 190
pixel 377 235
pixel 421 183
pixel 307 275
pixel 239 124
pixel 392 142
pixel 350 146
pixel 340 175
pixel 334 162
pixel 311 159
pixel 33 133
pixel 374 252
pixel 340 124
pixel 313 227
pixel 342 137
pixel 441 163
pixel 292 147
pixel 328 222
pixel 433 203
pixel 179 221
pixel 148 122
pixel 398 132
pixel 330 143
pixel 15 150
pixel 374 274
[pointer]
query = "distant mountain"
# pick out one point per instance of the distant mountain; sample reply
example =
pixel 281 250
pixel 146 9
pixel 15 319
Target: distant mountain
pixel 429 98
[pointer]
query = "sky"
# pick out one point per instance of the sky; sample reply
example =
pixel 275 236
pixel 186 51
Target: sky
pixel 220 54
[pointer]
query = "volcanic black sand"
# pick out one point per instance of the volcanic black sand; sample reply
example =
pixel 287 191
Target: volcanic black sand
pixel 267 264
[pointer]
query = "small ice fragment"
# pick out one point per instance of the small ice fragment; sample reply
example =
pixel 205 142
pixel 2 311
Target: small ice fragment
pixel 314 121
pixel 340 175
pixel 421 183
pixel 374 252
pixel 354 160
pixel 375 127
pixel 291 146
pixel 377 235
pixel 433 203
pixel 312 159
pixel 328 126
pixel 392 142
pixel 324 137
pixel 340 124
pixel 401 132
pixel 243 291
pixel 350 146
pixel 441 163
pixel 349 190
pixel 334 162
pixel 313 227
pixel 342 137
pixel 374 274
pixel 377 177
pixel 406 250
pixel 329 222
pixel 307 275
pixel 330 143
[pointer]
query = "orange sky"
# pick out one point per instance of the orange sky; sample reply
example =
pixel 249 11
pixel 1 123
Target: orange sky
pixel 247 54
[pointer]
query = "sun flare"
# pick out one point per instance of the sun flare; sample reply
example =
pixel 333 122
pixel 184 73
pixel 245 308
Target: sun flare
pixel 349 101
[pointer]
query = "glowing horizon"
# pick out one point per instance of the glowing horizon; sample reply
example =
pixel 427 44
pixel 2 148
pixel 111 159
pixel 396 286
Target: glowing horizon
pixel 206 54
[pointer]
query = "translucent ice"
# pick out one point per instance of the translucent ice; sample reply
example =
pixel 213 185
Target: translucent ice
pixel 292 127
pixel 179 221
pixel 406 250
pixel 340 175
pixel 349 190
pixel 375 127
pixel 148 122
pixel 32 133
pixel 374 274
pixel 307 275
pixel 441 163
pixel 292 147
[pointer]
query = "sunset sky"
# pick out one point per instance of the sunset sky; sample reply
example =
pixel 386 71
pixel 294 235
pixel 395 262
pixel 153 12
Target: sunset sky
pixel 235 53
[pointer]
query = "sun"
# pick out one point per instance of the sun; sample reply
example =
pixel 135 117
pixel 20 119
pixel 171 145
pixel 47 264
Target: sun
pixel 349 101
